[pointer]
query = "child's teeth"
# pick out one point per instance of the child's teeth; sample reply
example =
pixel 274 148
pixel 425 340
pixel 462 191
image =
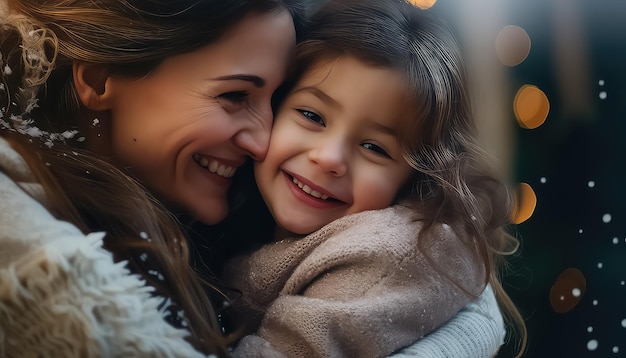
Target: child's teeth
pixel 316 194
pixel 307 189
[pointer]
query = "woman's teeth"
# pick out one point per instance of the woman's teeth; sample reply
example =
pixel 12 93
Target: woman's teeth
pixel 214 166
pixel 310 191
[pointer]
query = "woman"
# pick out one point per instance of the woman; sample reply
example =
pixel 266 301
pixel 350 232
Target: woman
pixel 102 98
pixel 132 79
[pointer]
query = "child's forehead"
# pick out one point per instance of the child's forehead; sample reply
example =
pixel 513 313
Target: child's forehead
pixel 320 68
pixel 326 66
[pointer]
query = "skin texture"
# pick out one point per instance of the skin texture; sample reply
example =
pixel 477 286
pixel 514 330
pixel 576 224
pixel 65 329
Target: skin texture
pixel 185 128
pixel 336 133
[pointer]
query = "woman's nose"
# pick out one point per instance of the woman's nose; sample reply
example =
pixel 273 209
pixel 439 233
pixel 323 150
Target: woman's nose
pixel 255 139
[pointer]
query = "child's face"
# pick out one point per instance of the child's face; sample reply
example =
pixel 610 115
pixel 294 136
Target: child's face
pixel 334 148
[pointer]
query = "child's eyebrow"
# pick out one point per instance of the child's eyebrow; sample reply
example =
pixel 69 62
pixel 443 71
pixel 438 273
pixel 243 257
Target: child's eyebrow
pixel 383 128
pixel 319 94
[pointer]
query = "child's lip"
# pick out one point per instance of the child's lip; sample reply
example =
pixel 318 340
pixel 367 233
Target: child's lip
pixel 319 189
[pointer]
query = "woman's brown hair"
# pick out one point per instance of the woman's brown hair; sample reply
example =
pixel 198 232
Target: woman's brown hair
pixel 39 41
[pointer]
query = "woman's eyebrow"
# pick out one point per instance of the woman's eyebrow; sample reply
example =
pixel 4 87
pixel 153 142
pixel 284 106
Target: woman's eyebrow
pixel 256 80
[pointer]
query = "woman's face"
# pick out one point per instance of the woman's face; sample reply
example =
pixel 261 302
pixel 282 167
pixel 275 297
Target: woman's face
pixel 185 128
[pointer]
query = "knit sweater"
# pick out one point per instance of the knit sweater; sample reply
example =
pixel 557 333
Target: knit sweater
pixel 359 287
pixel 61 293
pixel 477 331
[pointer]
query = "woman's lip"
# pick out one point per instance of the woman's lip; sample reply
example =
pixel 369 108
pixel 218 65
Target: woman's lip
pixel 213 177
pixel 215 166
pixel 228 162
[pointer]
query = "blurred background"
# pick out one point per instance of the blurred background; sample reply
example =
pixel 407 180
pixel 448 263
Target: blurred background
pixel 551 90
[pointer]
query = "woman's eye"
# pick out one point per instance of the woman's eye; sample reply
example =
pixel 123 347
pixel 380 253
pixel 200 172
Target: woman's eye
pixel 313 117
pixel 376 149
pixel 234 97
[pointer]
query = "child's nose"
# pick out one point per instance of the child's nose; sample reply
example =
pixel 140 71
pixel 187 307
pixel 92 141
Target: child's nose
pixel 331 157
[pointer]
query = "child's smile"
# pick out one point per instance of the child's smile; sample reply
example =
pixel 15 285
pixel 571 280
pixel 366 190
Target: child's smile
pixel 335 148
pixel 311 194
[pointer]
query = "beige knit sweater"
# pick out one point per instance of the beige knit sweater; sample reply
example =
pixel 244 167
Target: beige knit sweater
pixel 359 287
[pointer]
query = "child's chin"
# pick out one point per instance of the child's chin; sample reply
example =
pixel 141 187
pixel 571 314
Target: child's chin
pixel 302 229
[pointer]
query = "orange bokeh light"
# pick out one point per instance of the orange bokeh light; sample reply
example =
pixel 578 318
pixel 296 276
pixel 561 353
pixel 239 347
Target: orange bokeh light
pixel 423 4
pixel 531 107
pixel 524 203
pixel 568 290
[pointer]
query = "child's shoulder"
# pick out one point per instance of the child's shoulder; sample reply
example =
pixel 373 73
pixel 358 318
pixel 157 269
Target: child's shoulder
pixel 376 230
pixel 397 228
pixel 386 218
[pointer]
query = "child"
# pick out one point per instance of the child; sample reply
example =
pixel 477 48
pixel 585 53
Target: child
pixel 387 211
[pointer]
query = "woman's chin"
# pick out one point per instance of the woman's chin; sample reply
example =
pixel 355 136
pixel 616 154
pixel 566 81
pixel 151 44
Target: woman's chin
pixel 211 213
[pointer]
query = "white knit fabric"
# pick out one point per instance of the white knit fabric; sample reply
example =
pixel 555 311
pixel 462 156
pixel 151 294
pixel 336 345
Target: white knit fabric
pixel 477 331
pixel 62 295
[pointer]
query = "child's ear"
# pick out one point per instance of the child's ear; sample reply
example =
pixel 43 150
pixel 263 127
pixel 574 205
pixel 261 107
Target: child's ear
pixel 90 81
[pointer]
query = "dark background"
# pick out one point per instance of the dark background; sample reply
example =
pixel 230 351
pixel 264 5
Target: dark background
pixel 576 45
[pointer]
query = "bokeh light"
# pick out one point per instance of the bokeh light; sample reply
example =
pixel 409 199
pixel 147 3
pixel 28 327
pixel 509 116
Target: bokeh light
pixel 423 4
pixel 568 290
pixel 512 45
pixel 524 203
pixel 531 107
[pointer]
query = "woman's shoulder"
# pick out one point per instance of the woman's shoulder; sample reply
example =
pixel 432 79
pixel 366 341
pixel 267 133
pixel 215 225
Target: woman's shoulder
pixel 23 216
pixel 70 295
pixel 61 288
pixel 11 162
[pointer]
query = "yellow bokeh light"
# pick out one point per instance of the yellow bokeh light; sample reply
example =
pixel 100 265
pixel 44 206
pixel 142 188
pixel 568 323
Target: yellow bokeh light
pixel 531 107
pixel 524 203
pixel 423 4
pixel 512 45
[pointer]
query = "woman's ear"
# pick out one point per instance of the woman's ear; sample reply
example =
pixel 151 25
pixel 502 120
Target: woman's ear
pixel 90 81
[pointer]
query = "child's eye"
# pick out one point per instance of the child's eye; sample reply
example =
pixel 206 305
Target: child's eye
pixel 313 117
pixel 234 97
pixel 376 149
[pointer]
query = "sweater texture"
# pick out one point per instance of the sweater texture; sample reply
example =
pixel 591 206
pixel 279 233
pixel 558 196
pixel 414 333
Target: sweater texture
pixel 61 293
pixel 359 287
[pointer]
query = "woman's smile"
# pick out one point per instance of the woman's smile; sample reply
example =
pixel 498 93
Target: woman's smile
pixel 215 166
